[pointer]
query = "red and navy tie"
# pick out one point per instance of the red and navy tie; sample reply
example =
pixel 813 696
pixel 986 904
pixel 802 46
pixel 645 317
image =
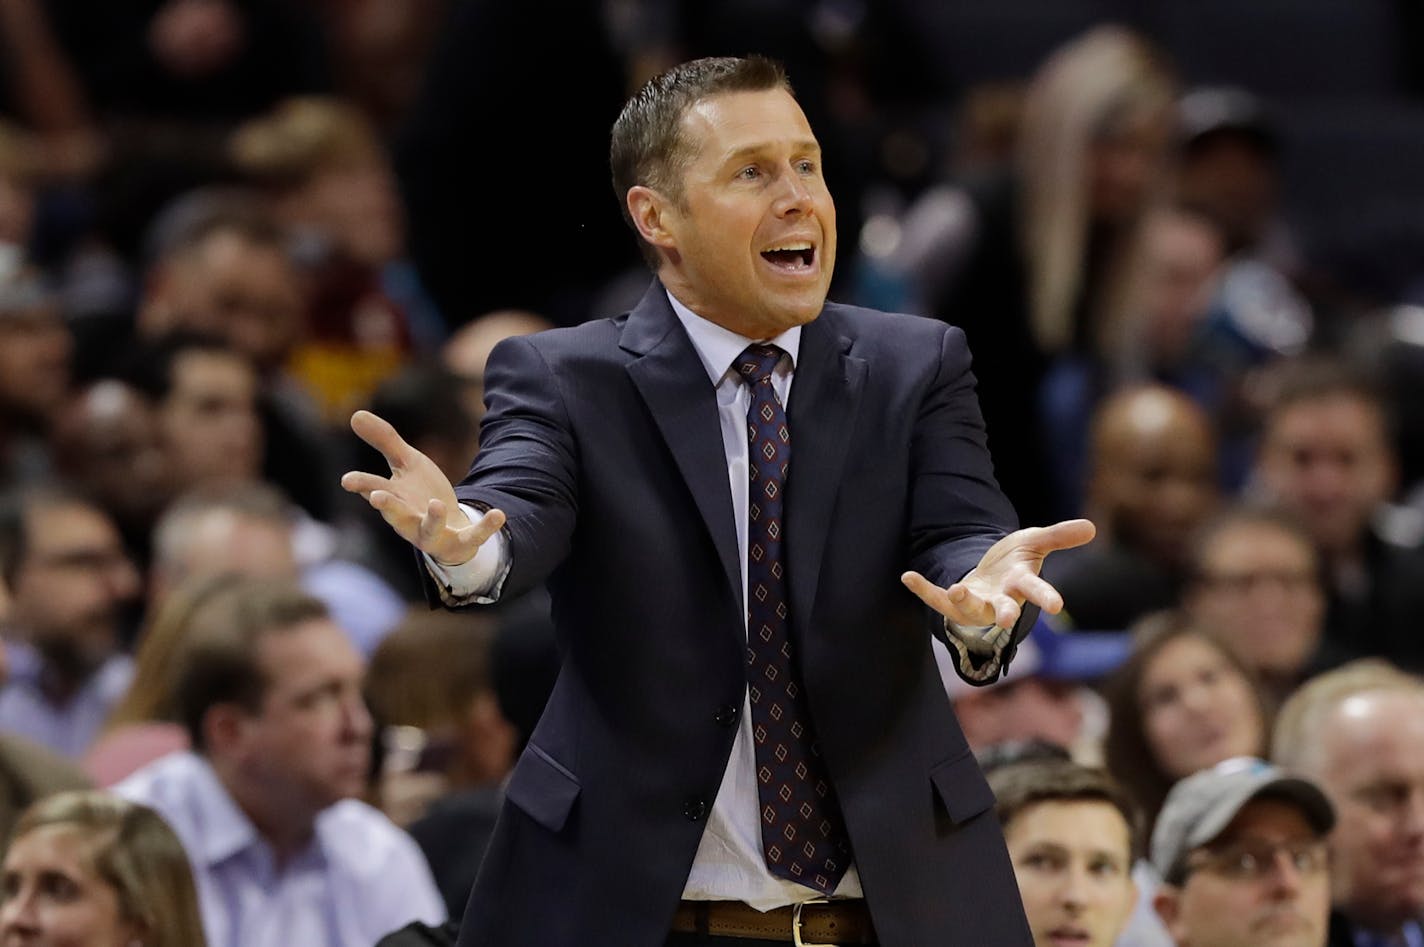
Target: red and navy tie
pixel 802 830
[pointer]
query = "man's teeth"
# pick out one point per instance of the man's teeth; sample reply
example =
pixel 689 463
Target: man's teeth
pixel 789 247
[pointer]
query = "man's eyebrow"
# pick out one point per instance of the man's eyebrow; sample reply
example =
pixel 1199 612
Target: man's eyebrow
pixel 801 146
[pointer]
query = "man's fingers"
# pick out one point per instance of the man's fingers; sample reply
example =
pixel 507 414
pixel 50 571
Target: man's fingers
pixel 926 591
pixel 378 432
pixel 1034 589
pixel 1006 611
pixel 357 481
pixel 1063 535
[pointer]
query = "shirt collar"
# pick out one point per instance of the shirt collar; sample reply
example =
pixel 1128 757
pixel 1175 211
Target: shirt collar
pixel 226 829
pixel 718 347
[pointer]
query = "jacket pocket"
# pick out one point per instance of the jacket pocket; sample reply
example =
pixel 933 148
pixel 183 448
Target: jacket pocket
pixel 543 788
pixel 962 788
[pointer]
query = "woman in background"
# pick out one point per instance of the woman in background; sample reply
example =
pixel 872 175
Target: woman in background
pixel 86 869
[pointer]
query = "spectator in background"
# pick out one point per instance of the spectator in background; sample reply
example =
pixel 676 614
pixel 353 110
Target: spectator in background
pixel 329 179
pixel 35 353
pixel 269 690
pixel 87 868
pixel 251 529
pixel 68 578
pixel 1181 702
pixel 1255 582
pixel 220 266
pixel 1358 731
pixel 1046 700
pixel 1242 854
pixel 205 397
pixel 1040 261
pixel 1152 484
pixel 107 443
pixel 1327 456
pixel 469 347
pixel 1228 168
pixel 1070 832
pixel 448 746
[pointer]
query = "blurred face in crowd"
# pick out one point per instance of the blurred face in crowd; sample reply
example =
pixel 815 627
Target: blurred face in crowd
pixel 1154 472
pixel 750 243
pixel 232 287
pixel 1329 461
pixel 355 206
pixel 1197 708
pixel 309 743
pixel 225 542
pixel 1125 161
pixel 52 896
pixel 71 585
pixel 1264 882
pixel 35 348
pixel 1073 862
pixel 1258 587
pixel 1371 764
pixel 1031 708
pixel 109 443
pixel 209 424
pixel 1232 180
pixel 1182 262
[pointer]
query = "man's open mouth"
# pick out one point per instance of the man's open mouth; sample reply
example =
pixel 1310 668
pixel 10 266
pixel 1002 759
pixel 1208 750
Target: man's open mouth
pixel 800 255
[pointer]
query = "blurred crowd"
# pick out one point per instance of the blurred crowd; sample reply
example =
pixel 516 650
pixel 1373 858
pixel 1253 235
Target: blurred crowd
pixel 1185 241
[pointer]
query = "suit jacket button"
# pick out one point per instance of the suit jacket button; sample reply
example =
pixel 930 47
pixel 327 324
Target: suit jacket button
pixel 694 809
pixel 727 716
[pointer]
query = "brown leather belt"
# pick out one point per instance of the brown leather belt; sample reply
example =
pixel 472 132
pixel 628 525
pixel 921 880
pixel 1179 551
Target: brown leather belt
pixel 829 923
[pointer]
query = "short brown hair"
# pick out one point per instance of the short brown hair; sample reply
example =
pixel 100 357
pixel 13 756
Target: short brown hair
pixel 1017 786
pixel 647 147
pixel 218 664
pixel 426 672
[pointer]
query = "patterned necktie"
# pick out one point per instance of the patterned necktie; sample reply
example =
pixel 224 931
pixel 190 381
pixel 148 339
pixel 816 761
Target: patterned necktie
pixel 802 830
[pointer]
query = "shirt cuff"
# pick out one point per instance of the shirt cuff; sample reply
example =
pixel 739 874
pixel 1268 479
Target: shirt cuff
pixel 478 581
pixel 980 653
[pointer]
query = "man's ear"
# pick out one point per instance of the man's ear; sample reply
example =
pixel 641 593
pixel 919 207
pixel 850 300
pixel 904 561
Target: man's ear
pixel 224 726
pixel 649 210
pixel 1168 904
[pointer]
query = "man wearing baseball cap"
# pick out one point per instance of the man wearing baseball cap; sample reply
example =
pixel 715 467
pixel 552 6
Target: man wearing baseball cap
pixel 1241 851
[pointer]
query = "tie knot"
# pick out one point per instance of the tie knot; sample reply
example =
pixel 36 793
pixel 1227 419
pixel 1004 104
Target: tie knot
pixel 757 362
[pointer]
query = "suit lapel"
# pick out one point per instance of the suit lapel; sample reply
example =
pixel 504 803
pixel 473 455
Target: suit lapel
pixel 825 399
pixel 674 385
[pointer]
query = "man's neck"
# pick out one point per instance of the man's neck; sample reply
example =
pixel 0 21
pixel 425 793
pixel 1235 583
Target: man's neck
pixel 287 830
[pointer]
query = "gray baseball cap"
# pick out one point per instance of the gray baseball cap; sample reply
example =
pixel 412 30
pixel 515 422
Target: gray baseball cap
pixel 1200 807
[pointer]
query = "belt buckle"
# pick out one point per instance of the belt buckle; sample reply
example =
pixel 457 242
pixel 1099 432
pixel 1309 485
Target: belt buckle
pixel 796 922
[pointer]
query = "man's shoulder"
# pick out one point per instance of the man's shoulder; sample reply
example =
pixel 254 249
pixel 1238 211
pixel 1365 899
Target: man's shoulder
pixel 361 837
pixel 874 332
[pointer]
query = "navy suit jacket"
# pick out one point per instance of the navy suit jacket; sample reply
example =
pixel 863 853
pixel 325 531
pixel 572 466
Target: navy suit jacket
pixel 603 446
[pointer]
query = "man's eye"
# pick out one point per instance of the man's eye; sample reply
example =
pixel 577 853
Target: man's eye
pixel 806 167
pixel 749 173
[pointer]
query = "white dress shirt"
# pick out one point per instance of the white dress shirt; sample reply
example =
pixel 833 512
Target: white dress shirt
pixel 359 879
pixel 730 864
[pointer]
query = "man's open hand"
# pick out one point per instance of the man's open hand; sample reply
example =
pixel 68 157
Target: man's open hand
pixel 417 499
pixel 993 592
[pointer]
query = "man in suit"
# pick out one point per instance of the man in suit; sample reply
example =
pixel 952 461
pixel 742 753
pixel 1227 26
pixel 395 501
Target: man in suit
pixel 746 720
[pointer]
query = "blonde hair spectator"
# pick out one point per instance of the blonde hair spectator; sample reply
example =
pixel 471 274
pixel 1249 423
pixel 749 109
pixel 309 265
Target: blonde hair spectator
pixel 1101 100
pixel 130 849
